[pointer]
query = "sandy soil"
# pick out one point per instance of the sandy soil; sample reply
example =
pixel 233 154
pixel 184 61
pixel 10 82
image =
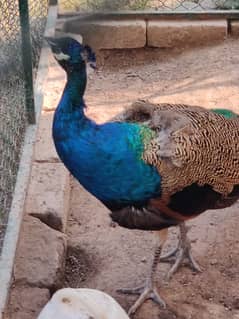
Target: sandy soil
pixel 103 257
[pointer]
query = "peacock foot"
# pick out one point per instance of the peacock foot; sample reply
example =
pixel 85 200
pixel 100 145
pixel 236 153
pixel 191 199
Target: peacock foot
pixel 149 291
pixel 180 253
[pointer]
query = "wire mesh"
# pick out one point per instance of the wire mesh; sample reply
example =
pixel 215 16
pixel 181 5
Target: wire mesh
pixel 13 117
pixel 159 5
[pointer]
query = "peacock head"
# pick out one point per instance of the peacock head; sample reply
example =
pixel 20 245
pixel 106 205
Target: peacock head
pixel 71 54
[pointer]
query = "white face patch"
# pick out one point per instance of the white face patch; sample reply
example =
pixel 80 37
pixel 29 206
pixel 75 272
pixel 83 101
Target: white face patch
pixel 61 56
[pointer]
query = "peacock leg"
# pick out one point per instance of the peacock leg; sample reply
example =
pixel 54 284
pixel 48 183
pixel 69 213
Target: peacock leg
pixel 181 252
pixel 149 290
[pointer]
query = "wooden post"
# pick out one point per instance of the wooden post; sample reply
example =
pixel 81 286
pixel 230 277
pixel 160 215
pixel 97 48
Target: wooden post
pixel 27 60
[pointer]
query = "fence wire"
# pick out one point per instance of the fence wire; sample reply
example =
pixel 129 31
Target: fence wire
pixel 13 118
pixel 159 5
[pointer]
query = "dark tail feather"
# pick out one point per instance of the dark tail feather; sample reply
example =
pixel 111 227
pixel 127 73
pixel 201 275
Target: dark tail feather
pixel 142 219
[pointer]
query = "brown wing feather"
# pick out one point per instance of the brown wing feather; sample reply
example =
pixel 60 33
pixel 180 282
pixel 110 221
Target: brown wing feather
pixel 193 146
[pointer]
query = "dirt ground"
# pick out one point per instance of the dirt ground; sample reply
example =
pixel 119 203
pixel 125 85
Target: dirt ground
pixel 107 258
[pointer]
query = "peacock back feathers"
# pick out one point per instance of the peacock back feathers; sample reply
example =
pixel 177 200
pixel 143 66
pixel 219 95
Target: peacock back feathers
pixel 196 151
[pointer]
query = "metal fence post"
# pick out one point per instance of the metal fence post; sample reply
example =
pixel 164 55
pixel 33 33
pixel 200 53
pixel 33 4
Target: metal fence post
pixel 27 59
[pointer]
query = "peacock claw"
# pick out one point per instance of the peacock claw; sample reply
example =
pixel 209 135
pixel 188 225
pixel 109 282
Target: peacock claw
pixel 180 253
pixel 149 291
pixel 145 292
pixel 167 256
pixel 131 291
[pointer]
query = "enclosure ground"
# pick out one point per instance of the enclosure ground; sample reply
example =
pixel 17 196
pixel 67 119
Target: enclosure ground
pixel 105 257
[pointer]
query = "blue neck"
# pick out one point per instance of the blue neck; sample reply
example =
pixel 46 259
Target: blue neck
pixel 107 158
pixel 69 115
pixel 72 98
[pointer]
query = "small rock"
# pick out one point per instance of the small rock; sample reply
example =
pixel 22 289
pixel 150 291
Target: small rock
pixel 113 224
pixel 213 262
pixel 143 260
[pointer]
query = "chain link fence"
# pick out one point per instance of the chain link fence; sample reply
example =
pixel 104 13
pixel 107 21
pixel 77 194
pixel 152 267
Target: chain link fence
pixel 13 114
pixel 159 5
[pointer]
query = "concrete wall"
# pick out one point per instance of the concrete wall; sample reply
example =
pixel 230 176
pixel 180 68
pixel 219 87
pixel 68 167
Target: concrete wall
pixel 139 32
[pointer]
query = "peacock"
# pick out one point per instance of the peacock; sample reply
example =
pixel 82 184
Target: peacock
pixel 82 303
pixel 154 167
